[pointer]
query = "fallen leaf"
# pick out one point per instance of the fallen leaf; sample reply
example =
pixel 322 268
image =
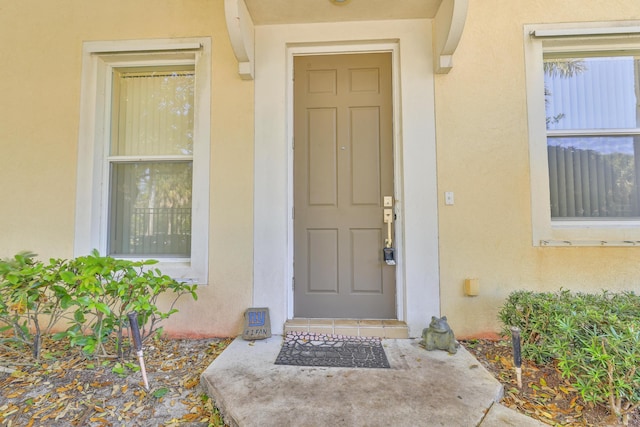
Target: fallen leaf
pixel 190 417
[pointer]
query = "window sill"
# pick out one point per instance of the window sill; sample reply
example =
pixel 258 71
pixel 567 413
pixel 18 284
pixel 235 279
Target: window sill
pixel 591 233
pixel 564 243
pixel 595 224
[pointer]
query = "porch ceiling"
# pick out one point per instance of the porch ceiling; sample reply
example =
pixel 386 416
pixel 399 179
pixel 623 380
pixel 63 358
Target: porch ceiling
pixel 269 12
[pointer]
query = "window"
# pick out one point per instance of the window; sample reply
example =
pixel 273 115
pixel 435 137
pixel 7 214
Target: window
pixel 593 136
pixel 584 128
pixel 143 160
pixel 150 162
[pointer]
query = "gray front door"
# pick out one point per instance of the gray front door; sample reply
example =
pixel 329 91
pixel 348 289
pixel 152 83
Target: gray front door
pixel 343 169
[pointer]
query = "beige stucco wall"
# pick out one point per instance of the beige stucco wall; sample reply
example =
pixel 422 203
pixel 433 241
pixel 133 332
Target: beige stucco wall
pixel 40 52
pixel 482 152
pixel 483 156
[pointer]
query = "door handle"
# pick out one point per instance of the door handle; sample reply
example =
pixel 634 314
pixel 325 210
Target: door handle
pixel 388 219
pixel 387 251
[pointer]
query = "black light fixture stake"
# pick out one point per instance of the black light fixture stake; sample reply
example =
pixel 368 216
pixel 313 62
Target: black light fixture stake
pixel 137 342
pixel 517 354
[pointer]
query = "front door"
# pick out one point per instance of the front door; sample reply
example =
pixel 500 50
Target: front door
pixel 343 169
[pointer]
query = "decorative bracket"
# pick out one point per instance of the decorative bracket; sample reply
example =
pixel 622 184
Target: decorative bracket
pixel 241 34
pixel 448 26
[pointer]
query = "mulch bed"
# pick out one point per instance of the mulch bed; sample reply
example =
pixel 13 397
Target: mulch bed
pixel 66 389
pixel 545 395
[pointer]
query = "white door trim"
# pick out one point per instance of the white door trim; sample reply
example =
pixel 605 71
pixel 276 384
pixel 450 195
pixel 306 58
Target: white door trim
pixel 410 41
pixel 337 49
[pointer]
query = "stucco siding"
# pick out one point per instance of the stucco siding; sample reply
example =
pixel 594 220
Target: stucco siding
pixel 483 157
pixel 41 53
pixel 482 153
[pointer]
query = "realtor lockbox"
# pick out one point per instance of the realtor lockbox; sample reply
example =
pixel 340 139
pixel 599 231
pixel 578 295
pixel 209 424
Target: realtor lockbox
pixel 257 325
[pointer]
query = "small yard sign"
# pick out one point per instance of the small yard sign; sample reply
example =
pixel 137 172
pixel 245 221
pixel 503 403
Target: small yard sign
pixel 257 325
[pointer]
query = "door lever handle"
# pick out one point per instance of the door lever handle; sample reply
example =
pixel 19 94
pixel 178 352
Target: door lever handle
pixel 387 251
pixel 388 219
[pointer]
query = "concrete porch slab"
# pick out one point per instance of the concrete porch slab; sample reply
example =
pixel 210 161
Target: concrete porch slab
pixel 501 416
pixel 421 388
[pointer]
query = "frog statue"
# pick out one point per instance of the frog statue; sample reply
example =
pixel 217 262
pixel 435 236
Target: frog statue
pixel 439 336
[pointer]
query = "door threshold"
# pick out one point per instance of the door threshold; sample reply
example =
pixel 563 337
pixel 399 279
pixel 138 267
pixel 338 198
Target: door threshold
pixel 381 328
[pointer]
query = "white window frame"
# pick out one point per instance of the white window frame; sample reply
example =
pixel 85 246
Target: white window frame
pixel 91 221
pixel 558 38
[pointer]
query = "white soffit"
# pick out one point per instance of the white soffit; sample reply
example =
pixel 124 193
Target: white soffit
pixel 269 12
pixel 243 15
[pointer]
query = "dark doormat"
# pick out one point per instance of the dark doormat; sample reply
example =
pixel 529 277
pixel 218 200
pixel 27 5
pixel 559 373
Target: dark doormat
pixel 308 349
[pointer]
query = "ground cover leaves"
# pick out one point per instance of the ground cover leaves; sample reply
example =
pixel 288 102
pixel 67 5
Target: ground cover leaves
pixel 67 389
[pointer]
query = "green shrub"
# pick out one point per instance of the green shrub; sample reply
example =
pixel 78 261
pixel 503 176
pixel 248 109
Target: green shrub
pixel 31 299
pixel 536 315
pixel 595 339
pixel 602 364
pixel 105 290
pixel 93 294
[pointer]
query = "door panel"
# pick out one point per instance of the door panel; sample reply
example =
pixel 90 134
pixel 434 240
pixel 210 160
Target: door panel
pixel 323 249
pixel 343 167
pixel 365 256
pixel 365 160
pixel 323 172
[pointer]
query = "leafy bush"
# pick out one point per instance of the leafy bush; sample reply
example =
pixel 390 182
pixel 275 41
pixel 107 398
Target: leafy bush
pixel 535 314
pixel 93 294
pixel 595 339
pixel 105 290
pixel 29 290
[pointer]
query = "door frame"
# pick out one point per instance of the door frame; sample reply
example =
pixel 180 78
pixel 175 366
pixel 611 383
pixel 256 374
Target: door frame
pixel 418 291
pixel 341 49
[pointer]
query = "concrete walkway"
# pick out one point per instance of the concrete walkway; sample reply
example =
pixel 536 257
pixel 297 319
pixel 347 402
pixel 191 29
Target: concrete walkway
pixel 422 388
